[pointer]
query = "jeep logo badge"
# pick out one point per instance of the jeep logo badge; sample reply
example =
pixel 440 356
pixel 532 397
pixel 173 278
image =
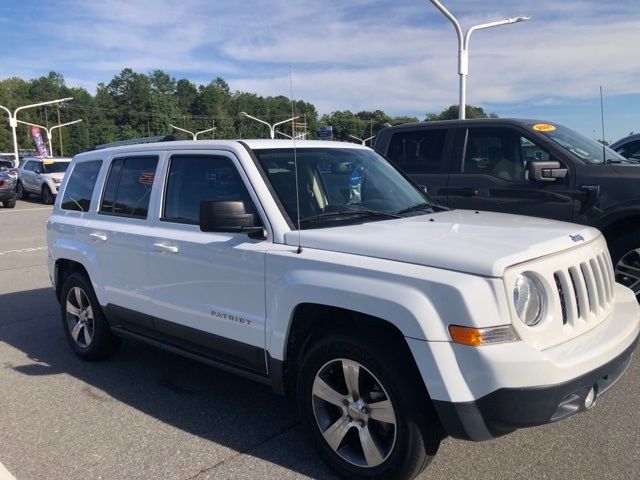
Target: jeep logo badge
pixel 577 238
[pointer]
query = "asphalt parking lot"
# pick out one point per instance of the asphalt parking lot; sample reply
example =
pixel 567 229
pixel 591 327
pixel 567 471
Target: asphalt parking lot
pixel 149 414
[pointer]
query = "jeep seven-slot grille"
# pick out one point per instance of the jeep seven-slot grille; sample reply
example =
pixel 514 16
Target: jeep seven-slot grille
pixel 585 289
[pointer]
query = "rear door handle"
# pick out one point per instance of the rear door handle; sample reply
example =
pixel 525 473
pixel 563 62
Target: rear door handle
pixel 163 247
pixel 98 237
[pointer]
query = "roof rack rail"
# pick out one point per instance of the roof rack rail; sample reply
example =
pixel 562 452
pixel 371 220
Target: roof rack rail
pixel 136 141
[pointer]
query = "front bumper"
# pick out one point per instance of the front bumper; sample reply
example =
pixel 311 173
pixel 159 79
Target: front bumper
pixel 508 409
pixel 481 393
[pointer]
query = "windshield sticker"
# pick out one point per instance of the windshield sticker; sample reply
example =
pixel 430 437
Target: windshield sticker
pixel 543 127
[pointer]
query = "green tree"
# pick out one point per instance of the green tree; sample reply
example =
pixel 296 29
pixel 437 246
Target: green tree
pixel 451 113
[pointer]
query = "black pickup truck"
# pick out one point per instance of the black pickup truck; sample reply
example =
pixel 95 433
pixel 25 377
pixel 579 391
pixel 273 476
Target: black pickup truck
pixel 528 167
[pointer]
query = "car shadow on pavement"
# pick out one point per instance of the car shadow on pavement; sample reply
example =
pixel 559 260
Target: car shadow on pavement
pixel 182 393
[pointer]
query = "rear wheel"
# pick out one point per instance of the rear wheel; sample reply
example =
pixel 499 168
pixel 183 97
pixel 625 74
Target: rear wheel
pixel 365 410
pixel 85 325
pixel 625 255
pixel 47 196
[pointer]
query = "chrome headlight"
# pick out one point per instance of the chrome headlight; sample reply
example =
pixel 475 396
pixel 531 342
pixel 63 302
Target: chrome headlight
pixel 529 299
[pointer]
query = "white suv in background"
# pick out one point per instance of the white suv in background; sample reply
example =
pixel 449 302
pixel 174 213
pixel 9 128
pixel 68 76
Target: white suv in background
pixel 320 269
pixel 41 176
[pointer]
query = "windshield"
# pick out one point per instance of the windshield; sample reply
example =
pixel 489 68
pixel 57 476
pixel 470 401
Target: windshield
pixel 54 167
pixel 6 164
pixel 338 185
pixel 586 149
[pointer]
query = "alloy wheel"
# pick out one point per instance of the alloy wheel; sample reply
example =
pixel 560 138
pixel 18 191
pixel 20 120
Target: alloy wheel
pixel 628 271
pixel 354 413
pixel 80 319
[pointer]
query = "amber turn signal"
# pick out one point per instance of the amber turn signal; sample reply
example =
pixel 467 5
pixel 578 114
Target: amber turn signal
pixel 475 337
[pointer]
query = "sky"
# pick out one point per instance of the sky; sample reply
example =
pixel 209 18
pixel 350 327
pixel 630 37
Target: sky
pixel 398 56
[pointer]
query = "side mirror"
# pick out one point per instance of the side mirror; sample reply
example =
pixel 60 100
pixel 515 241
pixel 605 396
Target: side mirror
pixel 229 216
pixel 545 171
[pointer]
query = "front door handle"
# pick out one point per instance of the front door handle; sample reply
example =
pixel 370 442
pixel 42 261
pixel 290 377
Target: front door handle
pixel 98 237
pixel 163 247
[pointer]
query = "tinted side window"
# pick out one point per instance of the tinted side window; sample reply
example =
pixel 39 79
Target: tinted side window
pixel 418 152
pixel 501 153
pixel 77 194
pixel 128 187
pixel 193 179
pixel 29 166
pixel 630 150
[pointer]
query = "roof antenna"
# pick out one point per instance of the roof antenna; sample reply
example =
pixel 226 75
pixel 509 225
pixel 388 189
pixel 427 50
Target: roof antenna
pixel 295 161
pixel 604 150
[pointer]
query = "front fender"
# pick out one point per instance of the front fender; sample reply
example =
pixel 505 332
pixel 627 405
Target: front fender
pixel 420 301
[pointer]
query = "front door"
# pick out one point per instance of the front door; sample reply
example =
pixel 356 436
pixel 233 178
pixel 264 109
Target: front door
pixel 493 176
pixel 207 289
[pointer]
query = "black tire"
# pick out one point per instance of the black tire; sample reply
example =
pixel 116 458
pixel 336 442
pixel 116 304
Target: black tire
pixel 21 193
pixel 47 195
pixel 417 432
pixel 9 203
pixel 627 246
pixel 94 340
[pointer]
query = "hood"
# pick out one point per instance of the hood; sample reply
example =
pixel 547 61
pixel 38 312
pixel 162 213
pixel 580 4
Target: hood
pixel 55 175
pixel 483 243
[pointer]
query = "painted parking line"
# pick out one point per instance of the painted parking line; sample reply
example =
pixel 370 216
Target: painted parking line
pixel 15 210
pixel 23 250
pixel 4 473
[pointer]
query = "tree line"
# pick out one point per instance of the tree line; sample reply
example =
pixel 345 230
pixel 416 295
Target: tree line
pixel 135 104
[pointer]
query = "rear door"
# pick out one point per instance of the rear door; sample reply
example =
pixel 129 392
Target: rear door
pixel 27 175
pixel 424 154
pixel 490 173
pixel 120 235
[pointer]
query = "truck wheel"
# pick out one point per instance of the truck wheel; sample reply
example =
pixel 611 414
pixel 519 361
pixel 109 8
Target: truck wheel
pixel 47 196
pixel 84 323
pixel 365 410
pixel 9 203
pixel 625 255
pixel 21 193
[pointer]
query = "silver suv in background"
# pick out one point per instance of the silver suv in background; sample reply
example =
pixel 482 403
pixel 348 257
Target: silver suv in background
pixel 41 176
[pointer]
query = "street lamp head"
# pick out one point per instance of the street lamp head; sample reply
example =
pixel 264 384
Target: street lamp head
pixel 519 19
pixel 243 114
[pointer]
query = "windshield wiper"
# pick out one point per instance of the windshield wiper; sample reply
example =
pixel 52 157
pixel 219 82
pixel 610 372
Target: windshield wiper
pixel 348 213
pixel 609 161
pixel 420 206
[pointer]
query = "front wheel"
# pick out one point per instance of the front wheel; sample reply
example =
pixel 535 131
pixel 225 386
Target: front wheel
pixel 47 196
pixel 367 412
pixel 9 203
pixel 21 193
pixel 625 255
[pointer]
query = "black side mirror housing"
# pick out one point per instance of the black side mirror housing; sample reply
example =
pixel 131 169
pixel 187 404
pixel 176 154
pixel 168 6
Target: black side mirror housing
pixel 546 171
pixel 229 216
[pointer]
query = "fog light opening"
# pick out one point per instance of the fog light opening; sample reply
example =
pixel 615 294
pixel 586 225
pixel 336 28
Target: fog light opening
pixel 590 399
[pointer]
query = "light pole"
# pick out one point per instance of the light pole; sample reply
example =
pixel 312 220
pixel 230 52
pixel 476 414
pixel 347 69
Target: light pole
pixel 194 135
pixel 364 142
pixel 463 48
pixel 272 128
pixel 13 120
pixel 49 131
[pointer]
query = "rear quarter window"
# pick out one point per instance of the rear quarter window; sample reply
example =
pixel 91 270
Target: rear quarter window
pixel 79 189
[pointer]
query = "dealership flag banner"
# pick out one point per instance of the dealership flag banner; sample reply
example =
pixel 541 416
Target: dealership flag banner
pixel 37 137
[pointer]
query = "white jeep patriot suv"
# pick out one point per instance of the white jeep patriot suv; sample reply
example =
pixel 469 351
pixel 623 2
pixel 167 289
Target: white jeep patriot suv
pixel 320 269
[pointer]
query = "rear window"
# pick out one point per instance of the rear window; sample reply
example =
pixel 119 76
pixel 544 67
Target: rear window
pixel 128 187
pixel 79 189
pixel 418 151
